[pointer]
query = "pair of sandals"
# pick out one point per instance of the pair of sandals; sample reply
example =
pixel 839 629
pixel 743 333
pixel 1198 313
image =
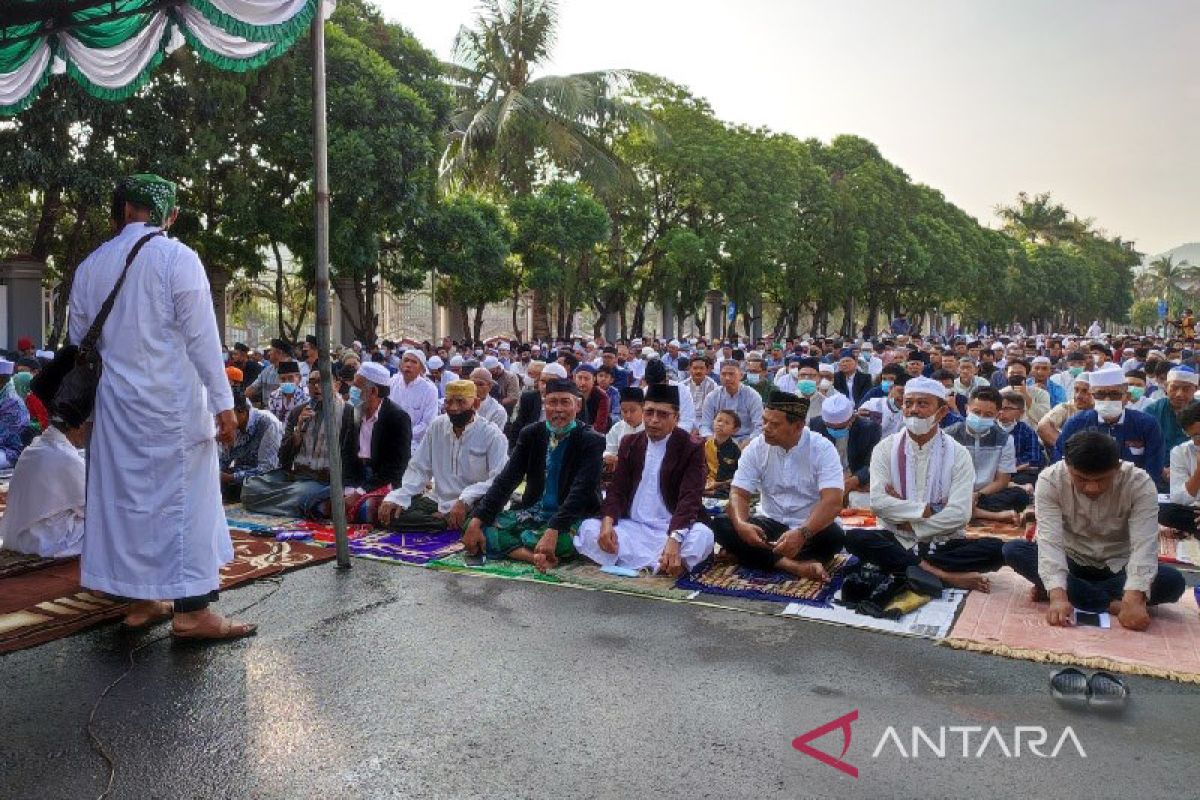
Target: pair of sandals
pixel 225 630
pixel 1103 690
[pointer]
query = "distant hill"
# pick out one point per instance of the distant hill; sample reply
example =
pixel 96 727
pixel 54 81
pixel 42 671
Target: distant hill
pixel 1185 252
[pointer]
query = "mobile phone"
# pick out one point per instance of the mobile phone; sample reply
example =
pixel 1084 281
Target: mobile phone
pixel 1088 619
pixel 475 559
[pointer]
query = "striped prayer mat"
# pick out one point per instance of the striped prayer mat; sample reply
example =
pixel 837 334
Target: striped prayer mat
pixel 15 563
pixel 731 579
pixel 48 603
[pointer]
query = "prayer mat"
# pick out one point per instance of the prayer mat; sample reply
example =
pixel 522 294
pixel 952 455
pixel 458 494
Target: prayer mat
pixel 48 603
pixel 1183 553
pixel 586 575
pixel 730 578
pixel 1006 622
pixel 12 563
pixel 858 518
pixel 407 548
pixel 999 530
pixel 931 621
pixel 497 568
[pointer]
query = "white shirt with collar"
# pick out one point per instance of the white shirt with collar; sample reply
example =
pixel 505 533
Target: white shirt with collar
pixel 789 482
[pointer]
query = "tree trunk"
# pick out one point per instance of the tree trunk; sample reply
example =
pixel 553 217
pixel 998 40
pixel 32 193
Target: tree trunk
pixel 279 289
pixel 43 236
pixel 478 327
pixel 516 308
pixel 541 316
pixel 847 328
pixel 818 315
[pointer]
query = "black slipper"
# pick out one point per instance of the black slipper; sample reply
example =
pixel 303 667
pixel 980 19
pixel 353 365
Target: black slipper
pixel 1069 686
pixel 922 581
pixel 1106 691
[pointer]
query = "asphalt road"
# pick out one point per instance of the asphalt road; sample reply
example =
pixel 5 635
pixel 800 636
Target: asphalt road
pixel 388 682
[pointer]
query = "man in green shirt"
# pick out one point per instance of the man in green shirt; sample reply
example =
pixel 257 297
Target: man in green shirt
pixel 1182 383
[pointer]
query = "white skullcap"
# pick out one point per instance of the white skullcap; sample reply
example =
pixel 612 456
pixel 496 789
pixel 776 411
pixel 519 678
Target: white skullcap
pixel 997 346
pixel 505 346
pixel 1040 360
pixel 923 386
pixel 419 355
pixel 6 367
pixel 490 363
pixel 45 354
pixel 1184 375
pixel 824 367
pixel 436 363
pixel 674 343
pixel 456 360
pixel 1107 376
pixel 376 373
pixel 356 343
pixel 648 352
pixel 1083 377
pixel 556 370
pixel 837 408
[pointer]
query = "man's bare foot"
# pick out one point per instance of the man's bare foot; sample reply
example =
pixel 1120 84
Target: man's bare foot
pixel 809 570
pixel 1038 595
pixel 209 625
pixel 1114 608
pixel 971 581
pixel 145 613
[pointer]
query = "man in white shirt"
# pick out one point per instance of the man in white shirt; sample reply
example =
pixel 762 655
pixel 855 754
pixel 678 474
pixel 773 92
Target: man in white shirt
pixel 461 454
pixel 415 393
pixel 632 401
pixel 922 482
pixel 698 382
pixel 489 407
pixel 798 477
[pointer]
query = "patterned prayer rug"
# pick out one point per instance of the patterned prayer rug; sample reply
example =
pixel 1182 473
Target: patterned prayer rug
pixel 1007 622
pixel 407 548
pixel 15 563
pixel 48 603
pixel 732 579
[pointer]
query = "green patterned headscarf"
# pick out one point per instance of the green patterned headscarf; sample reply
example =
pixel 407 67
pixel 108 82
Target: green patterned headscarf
pixel 152 192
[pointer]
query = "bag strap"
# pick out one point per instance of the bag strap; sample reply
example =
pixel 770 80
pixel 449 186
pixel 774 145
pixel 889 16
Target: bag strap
pixel 93 334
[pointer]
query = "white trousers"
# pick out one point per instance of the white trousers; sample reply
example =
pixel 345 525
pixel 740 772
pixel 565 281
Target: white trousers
pixel 640 546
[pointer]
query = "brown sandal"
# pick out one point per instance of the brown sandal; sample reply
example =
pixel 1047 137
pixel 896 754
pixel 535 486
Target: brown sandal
pixel 226 630
pixel 163 613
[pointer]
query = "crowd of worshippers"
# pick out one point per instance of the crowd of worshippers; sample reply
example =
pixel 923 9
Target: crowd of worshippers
pixel 647 454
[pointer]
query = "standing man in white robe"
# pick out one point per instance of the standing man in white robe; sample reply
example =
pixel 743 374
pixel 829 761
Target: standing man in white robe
pixel 415 393
pixel 155 527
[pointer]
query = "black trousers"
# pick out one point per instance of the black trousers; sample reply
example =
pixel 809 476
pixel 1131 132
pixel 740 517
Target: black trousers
pixel 1181 518
pixel 882 549
pixel 1010 498
pixel 1093 588
pixel 183 605
pixel 822 546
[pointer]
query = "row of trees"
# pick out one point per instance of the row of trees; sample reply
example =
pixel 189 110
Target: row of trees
pixel 607 191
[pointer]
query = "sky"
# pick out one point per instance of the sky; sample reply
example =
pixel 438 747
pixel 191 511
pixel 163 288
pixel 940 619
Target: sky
pixel 1095 101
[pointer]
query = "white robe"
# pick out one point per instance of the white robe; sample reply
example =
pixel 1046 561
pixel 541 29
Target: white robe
pixel 155 524
pixel 45 499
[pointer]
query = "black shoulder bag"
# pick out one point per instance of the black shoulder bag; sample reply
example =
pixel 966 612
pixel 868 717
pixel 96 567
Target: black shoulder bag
pixel 78 387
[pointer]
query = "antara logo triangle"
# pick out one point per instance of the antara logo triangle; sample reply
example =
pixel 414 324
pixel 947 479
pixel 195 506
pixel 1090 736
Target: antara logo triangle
pixel 843 723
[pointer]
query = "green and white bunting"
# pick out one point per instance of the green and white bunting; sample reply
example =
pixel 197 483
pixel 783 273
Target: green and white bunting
pixel 111 48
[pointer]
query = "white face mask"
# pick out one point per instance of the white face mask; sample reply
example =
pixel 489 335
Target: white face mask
pixel 794 372
pixel 1109 409
pixel 919 426
pixel 825 384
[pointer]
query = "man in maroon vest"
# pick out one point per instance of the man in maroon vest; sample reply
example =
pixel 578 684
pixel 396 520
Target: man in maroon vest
pixel 652 510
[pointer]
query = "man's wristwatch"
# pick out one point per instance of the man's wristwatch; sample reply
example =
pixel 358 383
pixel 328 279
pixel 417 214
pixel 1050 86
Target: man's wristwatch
pixel 805 533
pixel 677 535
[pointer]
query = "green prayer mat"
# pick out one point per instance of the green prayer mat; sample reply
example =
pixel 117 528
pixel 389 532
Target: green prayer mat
pixel 499 568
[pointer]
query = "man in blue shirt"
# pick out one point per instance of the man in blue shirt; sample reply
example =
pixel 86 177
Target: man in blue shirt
pixel 1137 433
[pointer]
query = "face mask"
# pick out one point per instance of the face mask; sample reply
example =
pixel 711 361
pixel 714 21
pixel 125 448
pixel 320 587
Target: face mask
pixel 918 426
pixel 886 386
pixel 1075 371
pixel 564 430
pixel 838 433
pixel 1007 427
pixel 825 384
pixel 1109 409
pixel 807 387
pixel 1136 392
pixel 892 405
pixel 794 372
pixel 979 424
pixel 288 388
pixel 460 419
pixel 752 378
pixel 355 398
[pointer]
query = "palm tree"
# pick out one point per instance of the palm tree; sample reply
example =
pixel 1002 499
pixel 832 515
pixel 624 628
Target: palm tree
pixel 1173 281
pixel 509 125
pixel 1039 220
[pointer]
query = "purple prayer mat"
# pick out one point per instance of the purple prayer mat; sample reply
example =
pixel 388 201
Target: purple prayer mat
pixel 416 547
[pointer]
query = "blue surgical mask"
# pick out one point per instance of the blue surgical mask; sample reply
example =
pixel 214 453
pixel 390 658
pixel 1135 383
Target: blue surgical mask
pixel 807 386
pixel 288 388
pixel 752 378
pixel 355 398
pixel 886 386
pixel 838 433
pixel 979 424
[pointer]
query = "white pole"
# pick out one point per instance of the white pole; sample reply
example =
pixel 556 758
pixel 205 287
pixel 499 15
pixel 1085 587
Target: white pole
pixel 337 508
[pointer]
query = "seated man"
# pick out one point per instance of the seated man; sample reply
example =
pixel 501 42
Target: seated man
pixel 46 496
pixel 1027 448
pixel 290 393
pixel 887 410
pixel 1137 434
pixel 798 478
pixel 853 436
pixel 1181 512
pixel 652 510
pixel 604 380
pixel 303 477
pixel 721 454
pixel 1182 383
pixel 490 409
pixel 14 418
pixel 1037 399
pixel 922 482
pixel 461 454
pixel 994 457
pixel 593 410
pixel 559 462
pixel 376 444
pixel 255 448
pixel 632 399
pixel 1097 545
pixel 529 406
pixel 1050 426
